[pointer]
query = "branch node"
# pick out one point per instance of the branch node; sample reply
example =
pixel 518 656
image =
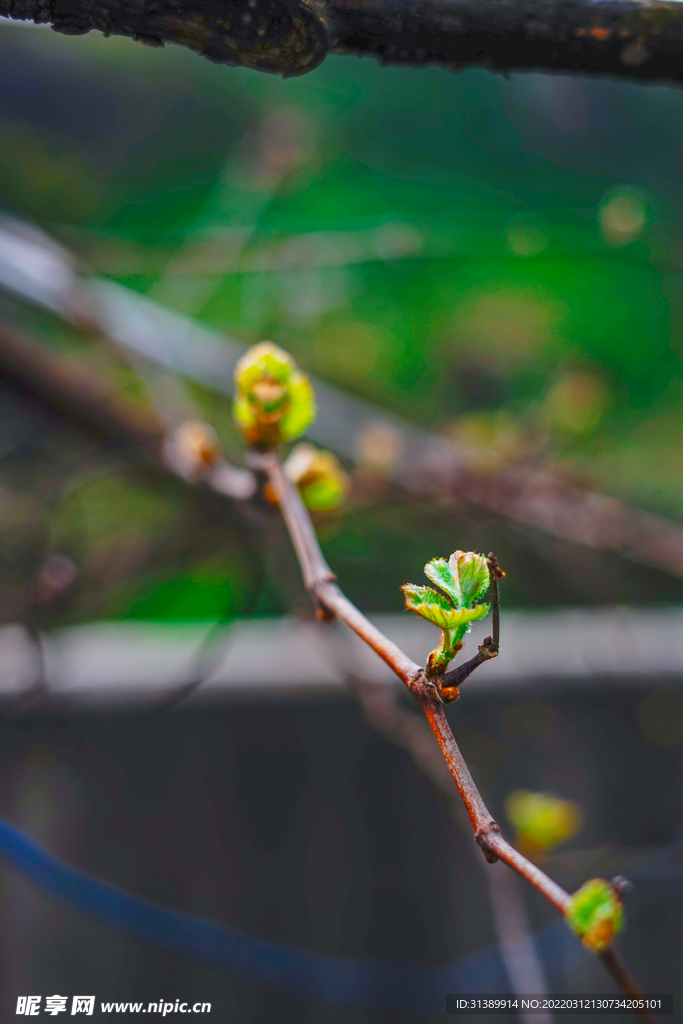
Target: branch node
pixel 494 567
pixel 488 649
pixel 425 690
pixel 482 839
pixel 322 612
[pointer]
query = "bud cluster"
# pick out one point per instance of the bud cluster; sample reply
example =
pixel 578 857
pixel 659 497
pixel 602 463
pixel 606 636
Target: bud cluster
pixel 274 401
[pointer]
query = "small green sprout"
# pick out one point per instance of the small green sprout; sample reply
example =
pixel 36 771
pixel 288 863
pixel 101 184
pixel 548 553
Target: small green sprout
pixel 319 475
pixel 595 913
pixel 274 401
pixel 464 579
pixel 541 820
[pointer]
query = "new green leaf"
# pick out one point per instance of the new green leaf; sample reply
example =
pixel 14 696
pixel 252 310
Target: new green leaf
pixel 426 603
pixel 470 574
pixel 438 572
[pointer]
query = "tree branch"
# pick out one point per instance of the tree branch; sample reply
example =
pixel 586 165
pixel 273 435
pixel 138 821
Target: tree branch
pixel 291 37
pixel 86 401
pixel 614 37
pixel 385 713
pixel 319 578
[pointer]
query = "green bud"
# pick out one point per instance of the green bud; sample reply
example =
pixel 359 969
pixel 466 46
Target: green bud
pixel 274 401
pixel 595 913
pixel 541 820
pixel 319 475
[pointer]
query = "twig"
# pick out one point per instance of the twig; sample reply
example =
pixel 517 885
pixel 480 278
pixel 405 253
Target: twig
pixel 625 980
pixel 319 579
pixel 384 712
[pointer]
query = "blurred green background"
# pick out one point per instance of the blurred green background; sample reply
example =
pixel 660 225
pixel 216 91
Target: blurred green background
pixel 498 259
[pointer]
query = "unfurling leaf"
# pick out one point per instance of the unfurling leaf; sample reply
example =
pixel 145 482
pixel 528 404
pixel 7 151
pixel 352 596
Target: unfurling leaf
pixel 470 574
pixel 274 401
pixel 438 571
pixel 595 913
pixel 463 579
pixel 541 820
pixel 426 603
pixel 437 609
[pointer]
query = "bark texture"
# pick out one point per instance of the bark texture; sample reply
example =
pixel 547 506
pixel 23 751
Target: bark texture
pixel 286 37
pixel 630 38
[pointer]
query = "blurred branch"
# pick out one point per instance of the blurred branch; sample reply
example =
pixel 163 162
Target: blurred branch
pixel 516 945
pixel 33 266
pixel 422 463
pixel 89 403
pixel 331 602
pixel 291 37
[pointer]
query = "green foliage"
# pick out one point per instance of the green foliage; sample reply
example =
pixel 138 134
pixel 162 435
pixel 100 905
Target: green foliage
pixel 595 914
pixel 464 579
pixel 274 401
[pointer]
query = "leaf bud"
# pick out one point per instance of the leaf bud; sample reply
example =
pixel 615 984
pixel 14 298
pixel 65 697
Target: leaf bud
pixel 274 401
pixel 462 579
pixel 541 820
pixel 595 913
pixel 319 475
pixel 193 448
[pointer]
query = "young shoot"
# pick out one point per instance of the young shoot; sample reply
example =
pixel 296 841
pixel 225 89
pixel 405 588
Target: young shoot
pixel 463 579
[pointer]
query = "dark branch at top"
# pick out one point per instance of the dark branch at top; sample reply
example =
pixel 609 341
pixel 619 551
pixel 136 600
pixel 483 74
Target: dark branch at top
pixel 612 37
pixel 628 38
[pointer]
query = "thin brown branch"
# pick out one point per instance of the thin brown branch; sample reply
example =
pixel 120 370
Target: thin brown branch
pixel 625 980
pixel 314 568
pixel 384 712
pixel 319 578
